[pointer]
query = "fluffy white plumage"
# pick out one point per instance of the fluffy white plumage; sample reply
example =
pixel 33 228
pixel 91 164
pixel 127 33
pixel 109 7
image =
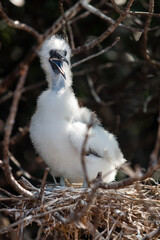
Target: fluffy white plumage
pixel 59 125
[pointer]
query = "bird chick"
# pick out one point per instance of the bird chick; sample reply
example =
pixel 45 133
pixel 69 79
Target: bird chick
pixel 59 125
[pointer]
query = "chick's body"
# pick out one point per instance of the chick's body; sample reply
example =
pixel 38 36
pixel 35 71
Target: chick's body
pixel 59 125
pixel 50 133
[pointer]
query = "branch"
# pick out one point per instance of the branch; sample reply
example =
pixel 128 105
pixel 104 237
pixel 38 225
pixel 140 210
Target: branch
pixel 155 152
pixel 108 19
pixel 20 135
pixel 69 14
pixel 145 37
pixel 8 129
pixel 133 12
pixel 96 54
pixel 153 234
pixel 131 180
pixel 64 22
pixel 145 13
pixel 66 26
pixel 11 77
pixel 94 93
pixel 105 34
pixel 24 90
pixel 43 183
pixel 83 152
pixel 116 8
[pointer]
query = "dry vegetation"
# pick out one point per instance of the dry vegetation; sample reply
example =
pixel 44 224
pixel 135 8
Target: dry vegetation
pixel 76 213
pixel 127 209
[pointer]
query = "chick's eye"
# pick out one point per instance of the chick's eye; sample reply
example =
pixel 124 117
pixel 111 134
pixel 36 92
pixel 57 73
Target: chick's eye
pixel 65 53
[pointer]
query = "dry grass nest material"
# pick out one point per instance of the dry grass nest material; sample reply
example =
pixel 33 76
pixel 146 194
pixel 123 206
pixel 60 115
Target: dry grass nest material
pixel 78 213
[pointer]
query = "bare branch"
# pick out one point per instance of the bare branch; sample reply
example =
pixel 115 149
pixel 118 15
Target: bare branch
pixel 93 91
pixel 31 87
pixel 155 152
pixel 108 19
pixel 6 97
pixel 83 152
pixel 106 33
pixel 153 234
pixel 69 14
pixel 19 135
pixel 145 37
pixel 43 183
pixel 8 129
pixel 132 12
pixel 131 180
pixel 116 8
pixel 71 36
pixel 111 230
pixel 96 54
pixel 64 22
pixel 66 26
pixel 144 14
pixel 11 77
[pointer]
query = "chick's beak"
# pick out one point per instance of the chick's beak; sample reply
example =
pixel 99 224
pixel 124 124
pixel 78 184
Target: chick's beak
pixel 65 60
pixel 57 64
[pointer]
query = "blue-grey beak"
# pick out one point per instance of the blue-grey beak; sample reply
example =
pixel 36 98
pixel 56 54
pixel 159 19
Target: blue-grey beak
pixel 56 62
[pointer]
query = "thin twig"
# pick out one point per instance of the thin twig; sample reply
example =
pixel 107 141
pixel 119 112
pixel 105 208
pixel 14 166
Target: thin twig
pixel 31 87
pixel 155 152
pixel 11 77
pixel 20 227
pixel 97 54
pixel 145 13
pixel 69 14
pixel 19 135
pixel 145 37
pixel 43 183
pixel 66 26
pixel 111 230
pixel 145 34
pixel 64 22
pixel 14 160
pixel 83 152
pixel 116 8
pixel 93 91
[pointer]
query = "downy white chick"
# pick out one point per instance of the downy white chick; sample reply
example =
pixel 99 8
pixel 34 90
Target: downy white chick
pixel 59 125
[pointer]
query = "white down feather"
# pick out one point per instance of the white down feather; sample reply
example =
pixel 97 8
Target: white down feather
pixel 59 126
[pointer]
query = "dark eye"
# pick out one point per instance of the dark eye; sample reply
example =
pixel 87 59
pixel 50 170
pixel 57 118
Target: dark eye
pixel 52 53
pixel 65 53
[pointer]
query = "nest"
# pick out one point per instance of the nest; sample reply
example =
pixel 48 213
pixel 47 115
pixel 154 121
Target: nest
pixel 77 213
